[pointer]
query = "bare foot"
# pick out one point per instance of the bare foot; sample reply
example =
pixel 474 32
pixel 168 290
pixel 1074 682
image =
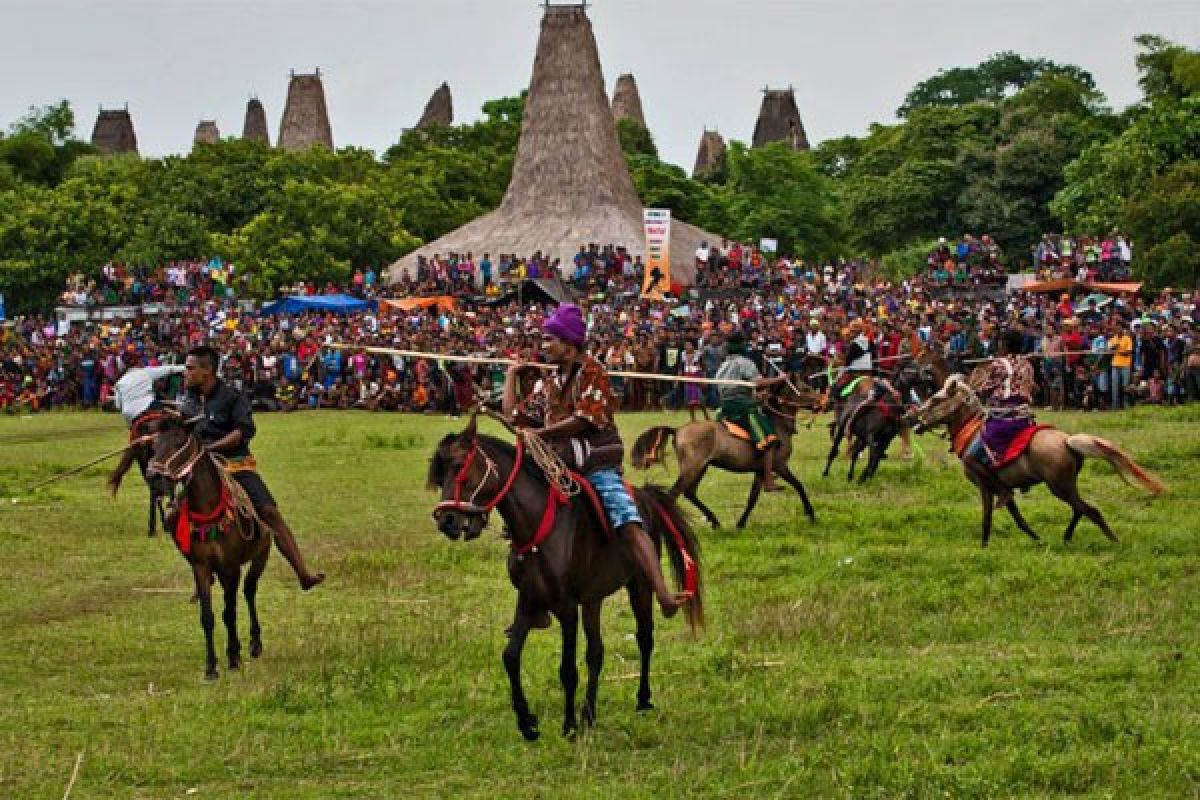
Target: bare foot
pixel 312 581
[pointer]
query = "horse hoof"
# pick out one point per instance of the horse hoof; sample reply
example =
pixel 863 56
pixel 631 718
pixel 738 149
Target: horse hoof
pixel 255 649
pixel 645 705
pixel 210 674
pixel 530 730
pixel 589 717
pixel 235 664
pixel 570 729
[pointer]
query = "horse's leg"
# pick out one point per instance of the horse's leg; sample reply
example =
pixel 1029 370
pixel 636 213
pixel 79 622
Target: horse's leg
pixel 752 500
pixel 1067 490
pixel 568 670
pixel 527 723
pixel 874 456
pixel 150 526
pixel 855 450
pixel 988 498
pixel 250 590
pixel 785 472
pixel 641 600
pixel 1019 518
pixel 836 435
pixel 233 646
pixel 203 576
pixel 689 491
pixel 594 656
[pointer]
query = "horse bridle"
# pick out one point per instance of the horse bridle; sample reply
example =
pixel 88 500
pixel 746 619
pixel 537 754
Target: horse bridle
pixel 490 469
pixel 179 465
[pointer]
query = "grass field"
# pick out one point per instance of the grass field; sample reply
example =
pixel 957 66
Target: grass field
pixel 878 653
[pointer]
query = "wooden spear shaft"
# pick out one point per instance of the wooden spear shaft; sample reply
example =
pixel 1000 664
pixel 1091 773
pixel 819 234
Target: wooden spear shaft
pixel 649 376
pixel 78 469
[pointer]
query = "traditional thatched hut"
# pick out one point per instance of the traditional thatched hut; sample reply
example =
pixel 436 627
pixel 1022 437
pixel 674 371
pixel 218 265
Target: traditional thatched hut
pixel 206 133
pixel 712 147
pixel 254 129
pixel 779 120
pixel 113 132
pixel 305 118
pixel 627 101
pixel 439 110
pixel 570 185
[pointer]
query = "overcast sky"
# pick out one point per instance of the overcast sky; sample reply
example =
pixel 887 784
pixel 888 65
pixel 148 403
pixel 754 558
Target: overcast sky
pixel 697 62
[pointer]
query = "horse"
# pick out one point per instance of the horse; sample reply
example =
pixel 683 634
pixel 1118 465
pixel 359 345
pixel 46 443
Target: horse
pixel 700 445
pixel 1052 457
pixel 871 424
pixel 562 557
pixel 139 452
pixel 216 531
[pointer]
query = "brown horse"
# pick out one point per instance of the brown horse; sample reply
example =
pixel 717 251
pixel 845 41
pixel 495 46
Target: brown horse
pixel 216 531
pixel 1053 457
pixel 700 445
pixel 139 452
pixel 562 557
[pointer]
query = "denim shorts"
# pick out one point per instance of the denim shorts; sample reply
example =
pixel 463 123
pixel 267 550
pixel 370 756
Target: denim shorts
pixel 619 506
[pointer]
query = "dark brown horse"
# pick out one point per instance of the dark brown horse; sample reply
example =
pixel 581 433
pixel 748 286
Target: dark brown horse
pixel 700 445
pixel 139 453
pixel 216 531
pixel 1053 457
pixel 562 558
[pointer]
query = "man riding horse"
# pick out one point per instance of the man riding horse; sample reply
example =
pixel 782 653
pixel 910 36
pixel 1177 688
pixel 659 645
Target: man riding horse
pixel 740 405
pixel 226 428
pixel 136 397
pixel 1005 386
pixel 572 410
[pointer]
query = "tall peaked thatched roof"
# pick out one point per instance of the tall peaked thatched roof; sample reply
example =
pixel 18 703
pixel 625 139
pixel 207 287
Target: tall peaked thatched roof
pixel 570 184
pixel 439 110
pixel 254 129
pixel 712 146
pixel 627 101
pixel 779 120
pixel 206 133
pixel 305 118
pixel 113 132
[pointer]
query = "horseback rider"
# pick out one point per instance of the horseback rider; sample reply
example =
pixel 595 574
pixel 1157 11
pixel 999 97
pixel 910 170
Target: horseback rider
pixel 857 359
pixel 739 403
pixel 572 410
pixel 226 428
pixel 1005 387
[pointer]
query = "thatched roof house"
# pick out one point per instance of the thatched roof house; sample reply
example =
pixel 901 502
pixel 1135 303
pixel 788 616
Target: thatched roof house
pixel 113 132
pixel 305 118
pixel 712 147
pixel 627 101
pixel 439 110
pixel 254 129
pixel 570 184
pixel 206 133
pixel 779 120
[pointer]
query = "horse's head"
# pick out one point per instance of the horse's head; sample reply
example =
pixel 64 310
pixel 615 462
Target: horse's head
pixel 174 450
pixel 469 482
pixel 943 405
pixel 792 395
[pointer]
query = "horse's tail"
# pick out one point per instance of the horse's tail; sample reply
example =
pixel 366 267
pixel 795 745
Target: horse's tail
pixel 683 550
pixel 650 447
pixel 118 473
pixel 1084 444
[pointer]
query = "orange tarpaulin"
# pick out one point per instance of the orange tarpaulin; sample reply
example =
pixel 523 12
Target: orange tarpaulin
pixel 1066 284
pixel 409 303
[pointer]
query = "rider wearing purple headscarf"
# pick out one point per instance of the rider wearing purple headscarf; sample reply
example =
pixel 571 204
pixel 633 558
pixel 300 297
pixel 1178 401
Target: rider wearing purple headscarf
pixel 572 410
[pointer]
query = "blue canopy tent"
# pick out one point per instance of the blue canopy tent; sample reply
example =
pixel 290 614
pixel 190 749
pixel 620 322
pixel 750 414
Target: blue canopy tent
pixel 337 303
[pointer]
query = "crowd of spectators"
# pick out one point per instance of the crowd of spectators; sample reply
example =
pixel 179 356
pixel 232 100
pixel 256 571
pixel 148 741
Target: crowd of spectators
pixel 1092 353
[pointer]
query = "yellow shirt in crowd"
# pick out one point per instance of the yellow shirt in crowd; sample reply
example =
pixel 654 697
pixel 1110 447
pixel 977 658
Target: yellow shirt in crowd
pixel 1122 347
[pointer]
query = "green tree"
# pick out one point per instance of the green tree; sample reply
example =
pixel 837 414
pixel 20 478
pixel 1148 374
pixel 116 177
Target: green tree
pixel 993 80
pixel 635 139
pixel 1164 223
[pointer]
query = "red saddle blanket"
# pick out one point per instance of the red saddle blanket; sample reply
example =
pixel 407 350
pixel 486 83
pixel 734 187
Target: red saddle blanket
pixel 1017 445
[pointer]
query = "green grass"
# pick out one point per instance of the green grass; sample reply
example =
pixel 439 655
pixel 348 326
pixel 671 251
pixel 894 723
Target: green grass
pixel 877 653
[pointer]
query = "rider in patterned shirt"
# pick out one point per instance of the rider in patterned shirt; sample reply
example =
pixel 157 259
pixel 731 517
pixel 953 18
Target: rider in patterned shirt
pixel 572 410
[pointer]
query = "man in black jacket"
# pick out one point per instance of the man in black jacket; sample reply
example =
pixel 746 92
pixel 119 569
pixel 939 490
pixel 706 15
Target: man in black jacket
pixel 226 428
